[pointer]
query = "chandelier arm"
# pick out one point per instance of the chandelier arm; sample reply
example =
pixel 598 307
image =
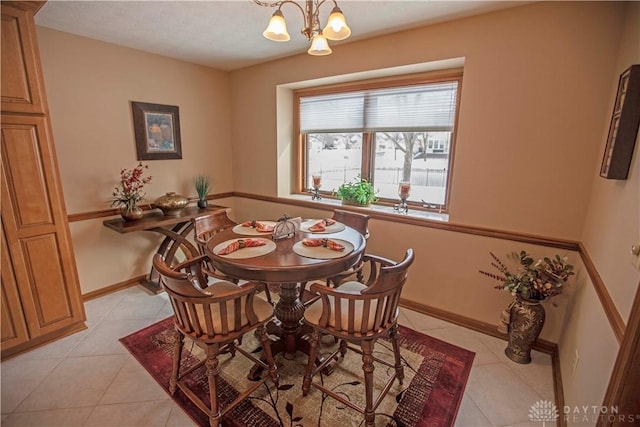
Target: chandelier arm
pixel 268 3
pixel 316 12
pixel 279 4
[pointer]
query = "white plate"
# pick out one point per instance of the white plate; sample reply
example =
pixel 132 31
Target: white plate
pixel 320 252
pixel 334 228
pixel 251 252
pixel 250 231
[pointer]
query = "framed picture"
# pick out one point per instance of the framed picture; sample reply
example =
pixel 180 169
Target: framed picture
pixel 157 131
pixel 623 128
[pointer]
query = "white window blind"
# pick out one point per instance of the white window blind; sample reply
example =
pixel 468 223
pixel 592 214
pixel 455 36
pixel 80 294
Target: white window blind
pixel 427 107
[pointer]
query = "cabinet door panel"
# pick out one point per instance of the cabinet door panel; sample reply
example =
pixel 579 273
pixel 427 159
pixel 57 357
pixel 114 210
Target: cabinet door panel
pixel 24 172
pixel 51 301
pixel 34 221
pixel 13 325
pixel 20 78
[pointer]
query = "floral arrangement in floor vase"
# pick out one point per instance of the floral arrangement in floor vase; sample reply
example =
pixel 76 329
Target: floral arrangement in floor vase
pixel 534 281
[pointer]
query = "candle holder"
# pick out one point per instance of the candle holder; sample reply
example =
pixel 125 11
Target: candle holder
pixel 404 189
pixel 317 183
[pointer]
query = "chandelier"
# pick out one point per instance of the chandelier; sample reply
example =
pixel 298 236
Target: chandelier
pixel 336 28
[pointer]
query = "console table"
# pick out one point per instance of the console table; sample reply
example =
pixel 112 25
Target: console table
pixel 175 228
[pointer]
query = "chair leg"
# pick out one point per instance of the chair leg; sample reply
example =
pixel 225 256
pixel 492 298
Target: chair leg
pixel 313 350
pixel 267 293
pixel 343 347
pixel 177 356
pixel 393 334
pixel 212 374
pixel 266 347
pixel 367 367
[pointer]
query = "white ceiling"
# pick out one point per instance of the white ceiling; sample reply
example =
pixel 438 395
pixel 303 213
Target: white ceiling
pixel 227 35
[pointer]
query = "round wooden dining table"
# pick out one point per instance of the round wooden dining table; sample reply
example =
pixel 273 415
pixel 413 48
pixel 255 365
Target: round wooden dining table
pixel 285 267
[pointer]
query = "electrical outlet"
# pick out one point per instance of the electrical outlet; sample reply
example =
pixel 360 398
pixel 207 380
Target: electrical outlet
pixel 574 362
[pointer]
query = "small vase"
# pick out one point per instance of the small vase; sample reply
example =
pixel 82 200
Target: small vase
pixel 202 203
pixel 526 322
pixel 132 214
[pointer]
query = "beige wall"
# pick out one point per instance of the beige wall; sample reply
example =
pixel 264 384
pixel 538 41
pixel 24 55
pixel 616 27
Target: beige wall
pixel 89 86
pixel 537 84
pixel 586 331
pixel 612 225
pixel 609 241
pixel 536 97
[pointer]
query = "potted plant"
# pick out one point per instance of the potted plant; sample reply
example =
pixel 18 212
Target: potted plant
pixel 128 193
pixel 533 282
pixel 358 192
pixel 203 185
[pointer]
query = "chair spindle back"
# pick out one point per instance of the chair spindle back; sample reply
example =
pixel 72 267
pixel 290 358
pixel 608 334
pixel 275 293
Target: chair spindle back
pixel 206 316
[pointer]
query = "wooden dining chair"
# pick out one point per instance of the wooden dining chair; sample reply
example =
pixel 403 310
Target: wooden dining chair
pixel 359 313
pixel 207 226
pixel 213 318
pixel 356 220
pixel 204 228
pixel 359 222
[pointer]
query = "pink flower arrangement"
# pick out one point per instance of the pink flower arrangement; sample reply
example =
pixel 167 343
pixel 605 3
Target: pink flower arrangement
pixel 129 192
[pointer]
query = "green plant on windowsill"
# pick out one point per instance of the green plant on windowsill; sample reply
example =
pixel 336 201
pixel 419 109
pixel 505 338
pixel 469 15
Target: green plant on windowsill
pixel 360 192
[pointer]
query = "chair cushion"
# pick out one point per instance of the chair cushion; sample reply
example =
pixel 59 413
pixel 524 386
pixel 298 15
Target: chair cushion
pixel 261 308
pixel 314 311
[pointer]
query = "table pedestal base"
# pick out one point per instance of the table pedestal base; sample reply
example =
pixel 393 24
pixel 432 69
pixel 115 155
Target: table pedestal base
pixel 288 326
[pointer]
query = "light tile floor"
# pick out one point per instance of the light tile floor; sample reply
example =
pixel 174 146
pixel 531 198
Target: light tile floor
pixel 89 378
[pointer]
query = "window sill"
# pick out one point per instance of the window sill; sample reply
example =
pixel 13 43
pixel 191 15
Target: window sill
pixel 326 203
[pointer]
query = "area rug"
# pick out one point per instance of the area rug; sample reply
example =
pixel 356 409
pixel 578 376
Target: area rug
pixel 435 376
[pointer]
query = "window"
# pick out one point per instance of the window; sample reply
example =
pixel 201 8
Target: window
pixel 401 130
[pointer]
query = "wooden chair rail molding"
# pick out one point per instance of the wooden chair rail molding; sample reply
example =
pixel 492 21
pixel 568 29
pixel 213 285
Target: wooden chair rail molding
pixel 614 317
pixel 422 222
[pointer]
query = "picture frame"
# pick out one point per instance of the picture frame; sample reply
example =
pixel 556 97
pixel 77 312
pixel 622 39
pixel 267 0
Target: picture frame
pixel 623 128
pixel 157 131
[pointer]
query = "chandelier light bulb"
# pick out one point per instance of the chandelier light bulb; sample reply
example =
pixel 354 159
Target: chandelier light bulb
pixel 319 46
pixel 336 28
pixel 277 28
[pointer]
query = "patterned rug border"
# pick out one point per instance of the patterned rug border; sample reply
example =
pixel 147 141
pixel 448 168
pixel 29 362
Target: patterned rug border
pixel 454 352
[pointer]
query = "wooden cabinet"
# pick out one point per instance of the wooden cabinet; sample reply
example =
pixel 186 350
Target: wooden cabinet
pixel 14 325
pixel 21 71
pixel 41 297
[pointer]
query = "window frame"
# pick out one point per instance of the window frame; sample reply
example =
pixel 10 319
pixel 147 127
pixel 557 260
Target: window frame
pixel 368 138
